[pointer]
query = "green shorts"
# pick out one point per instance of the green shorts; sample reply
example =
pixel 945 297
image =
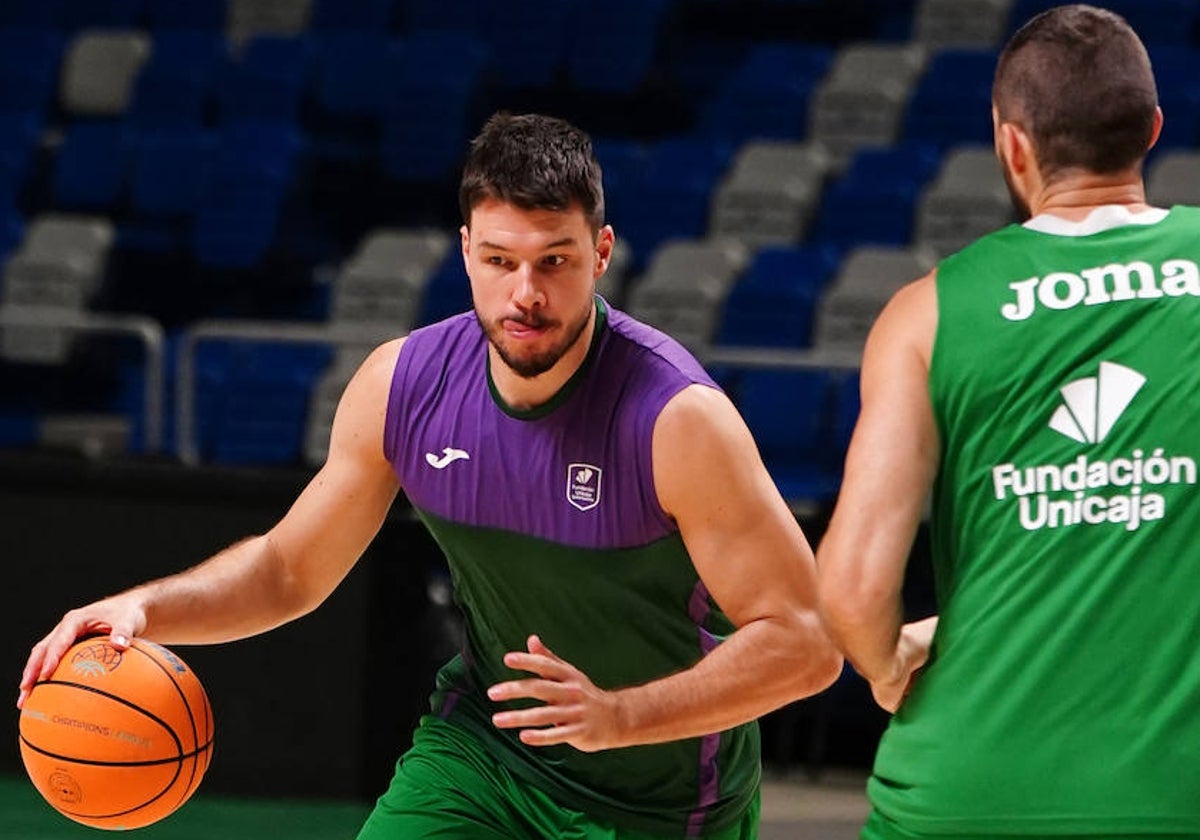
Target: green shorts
pixel 879 827
pixel 448 786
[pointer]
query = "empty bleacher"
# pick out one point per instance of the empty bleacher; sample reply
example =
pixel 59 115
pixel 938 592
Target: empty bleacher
pixel 773 171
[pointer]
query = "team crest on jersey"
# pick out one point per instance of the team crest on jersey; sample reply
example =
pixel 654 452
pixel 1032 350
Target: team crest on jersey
pixel 583 485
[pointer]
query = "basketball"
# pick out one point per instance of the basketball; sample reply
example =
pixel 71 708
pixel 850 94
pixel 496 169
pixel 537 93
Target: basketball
pixel 117 739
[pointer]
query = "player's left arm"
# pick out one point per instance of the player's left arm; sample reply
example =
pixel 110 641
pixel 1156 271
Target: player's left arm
pixel 755 563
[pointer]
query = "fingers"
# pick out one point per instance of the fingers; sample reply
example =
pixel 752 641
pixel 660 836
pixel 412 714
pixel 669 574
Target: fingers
pixel 540 664
pixel 536 716
pixel 547 691
pixel 554 735
pixel 45 656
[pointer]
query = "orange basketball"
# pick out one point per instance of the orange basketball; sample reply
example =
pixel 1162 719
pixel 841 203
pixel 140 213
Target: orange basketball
pixel 117 739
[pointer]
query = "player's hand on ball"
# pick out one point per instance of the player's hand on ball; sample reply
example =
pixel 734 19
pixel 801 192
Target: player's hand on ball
pixel 912 652
pixel 118 616
pixel 575 711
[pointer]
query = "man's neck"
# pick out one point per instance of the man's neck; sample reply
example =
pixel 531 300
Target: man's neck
pixel 1075 196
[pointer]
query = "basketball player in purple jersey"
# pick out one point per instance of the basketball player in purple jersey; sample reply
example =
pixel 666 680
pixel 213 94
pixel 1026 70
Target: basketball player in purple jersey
pixel 635 591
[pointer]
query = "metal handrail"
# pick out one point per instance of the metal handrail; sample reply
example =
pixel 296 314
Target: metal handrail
pixel 147 329
pixel 280 332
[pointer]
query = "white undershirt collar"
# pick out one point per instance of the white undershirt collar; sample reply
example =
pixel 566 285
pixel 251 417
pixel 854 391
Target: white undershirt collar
pixel 1105 217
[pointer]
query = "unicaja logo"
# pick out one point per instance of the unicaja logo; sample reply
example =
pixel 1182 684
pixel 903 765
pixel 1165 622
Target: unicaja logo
pixel 1092 405
pixel 1126 490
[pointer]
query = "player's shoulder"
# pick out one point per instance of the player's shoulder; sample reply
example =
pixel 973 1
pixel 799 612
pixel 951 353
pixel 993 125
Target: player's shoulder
pixel 639 348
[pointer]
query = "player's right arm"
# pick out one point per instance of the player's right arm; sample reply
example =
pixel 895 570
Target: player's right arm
pixel 270 579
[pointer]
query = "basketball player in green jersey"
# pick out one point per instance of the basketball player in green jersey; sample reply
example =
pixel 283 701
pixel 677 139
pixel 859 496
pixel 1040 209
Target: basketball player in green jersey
pixel 1043 383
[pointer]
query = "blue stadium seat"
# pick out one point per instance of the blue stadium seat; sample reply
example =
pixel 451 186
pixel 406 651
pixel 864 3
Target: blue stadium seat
pixel 667 195
pixel 1176 69
pixel 529 40
pixel 435 82
pixel 92 167
pixel 171 172
pixel 89 14
pixel 617 59
pixel 252 399
pixel 357 15
pixel 34 14
pixel 174 86
pixel 773 303
pixel 29 60
pixel 700 65
pixel 236 222
pixel 268 82
pixel 846 406
pixel 19 134
pixel 353 73
pixel 12 231
pixel 353 85
pixel 448 291
pixel 767 96
pixel 952 103
pixel 208 15
pixel 789 413
pixel 18 428
pixel 439 16
pixel 874 200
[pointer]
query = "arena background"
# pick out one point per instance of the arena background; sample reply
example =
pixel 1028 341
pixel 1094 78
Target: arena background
pixel 209 209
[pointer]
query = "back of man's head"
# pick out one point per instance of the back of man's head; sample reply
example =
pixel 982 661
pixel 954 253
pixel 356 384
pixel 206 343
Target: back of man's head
pixel 1078 81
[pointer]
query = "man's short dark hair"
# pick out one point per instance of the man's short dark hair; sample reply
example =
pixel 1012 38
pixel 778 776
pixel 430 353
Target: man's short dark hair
pixel 1077 79
pixel 533 162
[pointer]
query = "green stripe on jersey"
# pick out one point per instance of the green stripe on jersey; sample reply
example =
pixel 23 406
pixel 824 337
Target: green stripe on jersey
pixel 622 617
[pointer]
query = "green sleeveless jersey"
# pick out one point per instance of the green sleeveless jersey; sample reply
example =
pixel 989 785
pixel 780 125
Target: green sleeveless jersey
pixel 1063 691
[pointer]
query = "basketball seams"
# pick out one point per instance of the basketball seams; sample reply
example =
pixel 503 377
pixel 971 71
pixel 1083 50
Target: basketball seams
pixel 117 698
pixel 189 787
pixel 96 762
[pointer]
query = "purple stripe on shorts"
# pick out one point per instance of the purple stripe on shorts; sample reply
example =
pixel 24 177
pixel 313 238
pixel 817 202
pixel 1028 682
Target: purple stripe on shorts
pixel 708 775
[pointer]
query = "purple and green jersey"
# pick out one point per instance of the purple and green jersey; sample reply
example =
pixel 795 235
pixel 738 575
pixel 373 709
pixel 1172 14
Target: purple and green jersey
pixel 551 524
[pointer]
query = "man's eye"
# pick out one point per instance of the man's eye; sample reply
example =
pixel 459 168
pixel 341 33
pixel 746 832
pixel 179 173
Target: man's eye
pixel 555 259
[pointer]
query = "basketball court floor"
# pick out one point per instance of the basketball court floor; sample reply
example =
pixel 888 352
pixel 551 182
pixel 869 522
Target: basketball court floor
pixel 832 808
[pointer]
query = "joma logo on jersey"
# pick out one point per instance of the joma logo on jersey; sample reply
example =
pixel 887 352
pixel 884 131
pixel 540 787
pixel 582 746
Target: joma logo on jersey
pixel 1091 406
pixel 1104 284
pixel 583 485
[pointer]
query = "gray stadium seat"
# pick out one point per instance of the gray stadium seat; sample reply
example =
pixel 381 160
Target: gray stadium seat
pixel 966 200
pixel 769 194
pixel 1174 178
pixel 59 265
pixel 862 99
pixel 612 285
pixel 685 285
pixel 250 18
pixel 961 23
pixel 99 71
pixel 866 280
pixel 385 278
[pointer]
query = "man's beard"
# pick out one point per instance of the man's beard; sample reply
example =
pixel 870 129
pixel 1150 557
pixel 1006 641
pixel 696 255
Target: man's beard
pixel 538 363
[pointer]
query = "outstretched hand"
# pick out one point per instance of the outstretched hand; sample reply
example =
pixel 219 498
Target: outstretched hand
pixel 115 616
pixel 574 710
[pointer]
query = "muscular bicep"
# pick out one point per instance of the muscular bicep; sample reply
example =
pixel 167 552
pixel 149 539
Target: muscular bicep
pixel 337 515
pixel 743 540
